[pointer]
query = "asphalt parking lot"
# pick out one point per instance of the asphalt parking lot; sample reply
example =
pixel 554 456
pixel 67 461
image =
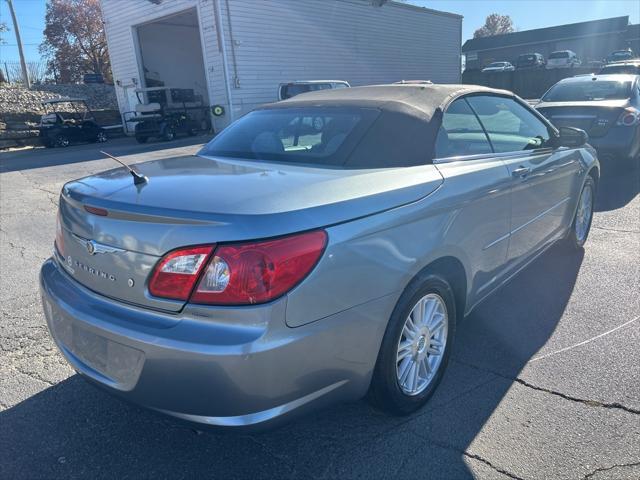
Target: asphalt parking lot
pixel 544 381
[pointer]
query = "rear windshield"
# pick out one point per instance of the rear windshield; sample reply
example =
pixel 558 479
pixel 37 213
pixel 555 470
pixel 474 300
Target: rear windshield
pixel 293 89
pixel 629 69
pixel 316 136
pixel 621 55
pixel 588 90
pixel 559 55
pixel 526 58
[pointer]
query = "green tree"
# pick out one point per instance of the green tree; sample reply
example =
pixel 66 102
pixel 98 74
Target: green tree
pixel 75 42
pixel 495 24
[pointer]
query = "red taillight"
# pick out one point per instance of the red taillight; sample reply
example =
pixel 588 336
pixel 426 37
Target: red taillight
pixel 630 117
pixel 258 272
pixel 176 274
pixel 59 243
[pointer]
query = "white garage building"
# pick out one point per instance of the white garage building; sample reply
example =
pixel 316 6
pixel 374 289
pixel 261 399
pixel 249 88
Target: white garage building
pixel 177 43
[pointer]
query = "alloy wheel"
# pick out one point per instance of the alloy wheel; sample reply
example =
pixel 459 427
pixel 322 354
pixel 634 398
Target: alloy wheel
pixel 583 214
pixel 422 344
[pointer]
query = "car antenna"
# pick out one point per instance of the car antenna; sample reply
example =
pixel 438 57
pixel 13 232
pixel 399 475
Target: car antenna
pixel 138 178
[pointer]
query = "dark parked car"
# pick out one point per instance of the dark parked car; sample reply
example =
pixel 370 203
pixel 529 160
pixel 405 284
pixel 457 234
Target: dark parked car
pixel 68 120
pixel 631 67
pixel 607 107
pixel 92 78
pixel 530 60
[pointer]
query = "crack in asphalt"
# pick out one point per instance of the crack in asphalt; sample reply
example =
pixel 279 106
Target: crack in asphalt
pixel 618 230
pixel 589 403
pixel 20 248
pixel 268 451
pixel 401 423
pixel 35 376
pixel 51 196
pixel 473 456
pixel 604 469
pixel 492 466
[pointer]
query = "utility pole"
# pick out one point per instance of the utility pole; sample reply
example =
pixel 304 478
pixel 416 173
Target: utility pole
pixel 25 75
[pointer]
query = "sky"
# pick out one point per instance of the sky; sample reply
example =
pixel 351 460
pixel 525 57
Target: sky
pixel 526 14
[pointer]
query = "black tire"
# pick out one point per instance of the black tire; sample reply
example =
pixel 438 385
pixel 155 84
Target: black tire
pixel 385 391
pixel 572 240
pixel 62 141
pixel 101 137
pixel 141 139
pixel 168 134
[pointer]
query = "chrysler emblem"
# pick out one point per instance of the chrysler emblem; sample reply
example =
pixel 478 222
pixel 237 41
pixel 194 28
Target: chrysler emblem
pixel 94 247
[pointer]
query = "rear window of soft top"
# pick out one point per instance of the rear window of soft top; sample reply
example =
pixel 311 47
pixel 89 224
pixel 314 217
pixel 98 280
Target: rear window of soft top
pixel 327 136
pixel 294 135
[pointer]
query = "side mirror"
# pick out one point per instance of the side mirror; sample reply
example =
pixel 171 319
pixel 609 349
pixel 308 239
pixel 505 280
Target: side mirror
pixel 572 137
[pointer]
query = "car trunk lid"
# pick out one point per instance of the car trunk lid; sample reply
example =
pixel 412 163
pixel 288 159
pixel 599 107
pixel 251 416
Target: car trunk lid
pixel 197 200
pixel 595 118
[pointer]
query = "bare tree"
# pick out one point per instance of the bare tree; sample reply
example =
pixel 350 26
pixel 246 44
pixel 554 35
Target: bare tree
pixel 75 41
pixel 495 24
pixel 3 29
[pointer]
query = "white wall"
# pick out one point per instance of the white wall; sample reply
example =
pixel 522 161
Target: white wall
pixel 280 40
pixel 348 40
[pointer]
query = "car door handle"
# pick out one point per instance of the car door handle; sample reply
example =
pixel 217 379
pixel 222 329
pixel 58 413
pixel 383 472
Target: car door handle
pixel 521 172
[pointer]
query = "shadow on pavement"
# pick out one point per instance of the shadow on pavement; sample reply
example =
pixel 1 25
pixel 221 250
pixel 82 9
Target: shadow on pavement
pixel 619 184
pixel 75 430
pixel 43 157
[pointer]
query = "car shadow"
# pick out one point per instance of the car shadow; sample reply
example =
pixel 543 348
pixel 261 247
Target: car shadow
pixel 22 160
pixel 619 184
pixel 73 429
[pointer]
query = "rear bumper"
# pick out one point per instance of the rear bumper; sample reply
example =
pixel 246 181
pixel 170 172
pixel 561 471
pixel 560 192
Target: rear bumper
pixel 223 367
pixel 623 142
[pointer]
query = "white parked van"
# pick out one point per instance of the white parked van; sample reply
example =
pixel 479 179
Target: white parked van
pixel 563 59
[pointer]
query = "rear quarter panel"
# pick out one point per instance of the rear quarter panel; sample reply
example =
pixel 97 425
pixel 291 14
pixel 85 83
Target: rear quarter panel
pixel 378 255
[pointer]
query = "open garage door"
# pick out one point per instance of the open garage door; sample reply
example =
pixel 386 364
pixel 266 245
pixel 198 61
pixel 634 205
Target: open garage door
pixel 171 54
pixel 172 71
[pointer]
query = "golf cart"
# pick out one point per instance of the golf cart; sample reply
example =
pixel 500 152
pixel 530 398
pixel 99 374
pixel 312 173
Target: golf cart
pixel 164 112
pixel 68 120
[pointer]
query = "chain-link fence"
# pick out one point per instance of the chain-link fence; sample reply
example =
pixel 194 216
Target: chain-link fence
pixel 37 71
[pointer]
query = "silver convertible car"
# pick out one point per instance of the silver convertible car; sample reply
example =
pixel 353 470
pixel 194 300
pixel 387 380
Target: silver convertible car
pixel 316 250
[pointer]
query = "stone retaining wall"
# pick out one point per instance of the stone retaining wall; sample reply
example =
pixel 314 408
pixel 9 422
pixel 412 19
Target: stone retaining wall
pixel 20 108
pixel 15 99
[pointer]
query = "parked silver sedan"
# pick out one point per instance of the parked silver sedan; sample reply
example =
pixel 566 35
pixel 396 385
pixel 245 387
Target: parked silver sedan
pixel 498 67
pixel 317 249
